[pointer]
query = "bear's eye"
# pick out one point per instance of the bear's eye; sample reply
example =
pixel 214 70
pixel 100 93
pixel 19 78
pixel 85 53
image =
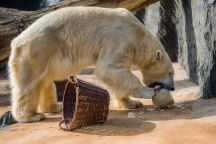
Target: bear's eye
pixel 170 73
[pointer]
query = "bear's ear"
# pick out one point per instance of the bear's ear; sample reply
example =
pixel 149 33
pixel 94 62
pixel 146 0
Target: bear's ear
pixel 158 55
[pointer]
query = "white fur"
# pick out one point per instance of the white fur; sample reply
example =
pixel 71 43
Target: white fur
pixel 64 42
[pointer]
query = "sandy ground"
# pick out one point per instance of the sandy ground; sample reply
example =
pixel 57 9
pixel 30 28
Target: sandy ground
pixel 191 121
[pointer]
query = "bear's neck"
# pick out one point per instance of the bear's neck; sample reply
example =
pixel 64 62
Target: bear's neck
pixel 142 59
pixel 145 52
pixel 145 57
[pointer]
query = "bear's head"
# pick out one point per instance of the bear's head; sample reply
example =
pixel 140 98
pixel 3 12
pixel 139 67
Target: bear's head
pixel 159 72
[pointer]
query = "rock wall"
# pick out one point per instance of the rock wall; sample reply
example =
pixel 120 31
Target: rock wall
pixel 149 17
pixel 187 31
pixel 204 18
pixel 46 3
pixel 167 32
pixel 187 40
pixel 159 19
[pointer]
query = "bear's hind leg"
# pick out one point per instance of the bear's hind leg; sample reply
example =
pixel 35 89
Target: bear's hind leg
pixel 24 106
pixel 48 100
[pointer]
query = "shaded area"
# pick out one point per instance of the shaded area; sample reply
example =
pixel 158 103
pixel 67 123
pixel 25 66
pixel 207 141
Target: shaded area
pixel 207 69
pixel 191 42
pixel 209 89
pixel 167 33
pixel 165 25
pixel 140 15
pixel 28 5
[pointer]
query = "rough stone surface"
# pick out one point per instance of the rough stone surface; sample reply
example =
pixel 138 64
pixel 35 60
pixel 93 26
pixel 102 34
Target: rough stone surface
pixel 187 41
pixel 198 48
pixel 205 24
pixel 149 17
pixel 160 19
pixel 167 32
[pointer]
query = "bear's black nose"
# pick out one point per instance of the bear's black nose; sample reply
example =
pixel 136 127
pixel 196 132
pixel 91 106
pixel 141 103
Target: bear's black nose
pixel 172 89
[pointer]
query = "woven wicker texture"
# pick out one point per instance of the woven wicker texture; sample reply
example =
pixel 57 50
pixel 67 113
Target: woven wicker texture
pixel 84 104
pixel 60 88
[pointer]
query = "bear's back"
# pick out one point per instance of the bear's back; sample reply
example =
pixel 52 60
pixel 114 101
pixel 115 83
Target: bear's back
pixel 84 27
pixel 85 17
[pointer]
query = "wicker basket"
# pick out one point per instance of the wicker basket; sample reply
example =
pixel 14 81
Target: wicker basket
pixel 60 88
pixel 84 104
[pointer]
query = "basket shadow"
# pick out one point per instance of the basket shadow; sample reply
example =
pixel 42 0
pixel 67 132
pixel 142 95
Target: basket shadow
pixel 118 127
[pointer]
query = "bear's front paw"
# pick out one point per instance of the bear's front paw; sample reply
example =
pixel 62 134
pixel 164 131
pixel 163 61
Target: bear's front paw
pixel 148 93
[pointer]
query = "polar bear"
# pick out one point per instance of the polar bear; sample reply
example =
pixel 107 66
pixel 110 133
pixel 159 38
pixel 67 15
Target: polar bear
pixel 63 42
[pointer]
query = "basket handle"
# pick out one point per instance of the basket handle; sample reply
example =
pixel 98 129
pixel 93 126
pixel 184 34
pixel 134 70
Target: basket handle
pixel 74 81
pixel 61 124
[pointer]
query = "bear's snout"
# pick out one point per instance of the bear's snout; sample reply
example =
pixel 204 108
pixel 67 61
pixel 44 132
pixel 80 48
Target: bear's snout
pixel 163 85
